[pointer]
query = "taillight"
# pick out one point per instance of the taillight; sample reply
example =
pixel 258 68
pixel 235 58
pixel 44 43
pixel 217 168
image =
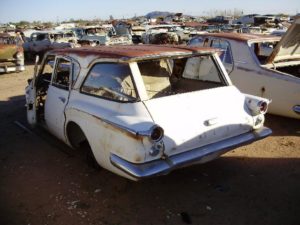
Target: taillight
pixel 156 134
pixel 263 106
pixel 257 105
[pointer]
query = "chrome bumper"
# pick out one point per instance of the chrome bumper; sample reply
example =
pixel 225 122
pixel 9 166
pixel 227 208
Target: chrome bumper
pixel 198 155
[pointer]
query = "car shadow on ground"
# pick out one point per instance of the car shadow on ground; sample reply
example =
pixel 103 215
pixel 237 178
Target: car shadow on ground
pixel 283 126
pixel 42 184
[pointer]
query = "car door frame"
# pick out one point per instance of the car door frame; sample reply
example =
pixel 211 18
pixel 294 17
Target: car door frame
pixel 57 100
pixel 211 39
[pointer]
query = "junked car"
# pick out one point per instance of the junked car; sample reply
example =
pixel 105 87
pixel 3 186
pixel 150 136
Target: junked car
pixel 164 34
pixel 143 110
pixel 262 65
pixel 42 41
pixel 137 32
pixel 11 54
pixel 101 35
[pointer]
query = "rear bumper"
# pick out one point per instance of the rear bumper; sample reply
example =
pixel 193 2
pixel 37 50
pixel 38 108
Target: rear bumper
pixel 198 155
pixel 7 69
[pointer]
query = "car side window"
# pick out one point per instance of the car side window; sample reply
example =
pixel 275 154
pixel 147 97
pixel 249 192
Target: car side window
pixel 62 73
pixel 75 71
pixel 110 81
pixel 226 55
pixel 199 41
pixel 202 68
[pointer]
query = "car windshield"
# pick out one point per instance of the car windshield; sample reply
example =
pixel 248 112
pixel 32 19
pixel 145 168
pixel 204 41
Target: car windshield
pixel 165 77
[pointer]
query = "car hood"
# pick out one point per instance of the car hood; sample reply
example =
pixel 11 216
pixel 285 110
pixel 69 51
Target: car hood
pixel 288 47
pixel 7 51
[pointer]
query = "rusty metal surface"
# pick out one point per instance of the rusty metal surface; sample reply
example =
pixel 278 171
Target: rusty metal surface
pixel 133 51
pixel 5 35
pixel 164 38
pixel 8 51
pixel 242 37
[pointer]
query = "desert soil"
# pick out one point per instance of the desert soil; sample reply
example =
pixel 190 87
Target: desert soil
pixel 43 182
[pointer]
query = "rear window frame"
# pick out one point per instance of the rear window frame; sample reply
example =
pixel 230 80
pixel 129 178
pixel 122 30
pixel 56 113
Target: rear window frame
pixel 109 99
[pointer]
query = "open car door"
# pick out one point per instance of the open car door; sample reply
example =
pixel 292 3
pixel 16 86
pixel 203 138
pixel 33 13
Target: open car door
pixel 31 97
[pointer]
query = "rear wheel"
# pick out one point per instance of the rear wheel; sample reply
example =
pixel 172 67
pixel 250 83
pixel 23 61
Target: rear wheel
pixel 89 155
pixel 79 142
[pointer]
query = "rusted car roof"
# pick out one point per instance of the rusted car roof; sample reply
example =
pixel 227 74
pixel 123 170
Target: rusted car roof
pixel 127 52
pixel 243 37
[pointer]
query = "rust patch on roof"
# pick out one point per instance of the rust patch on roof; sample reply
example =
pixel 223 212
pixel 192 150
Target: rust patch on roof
pixel 242 37
pixel 132 51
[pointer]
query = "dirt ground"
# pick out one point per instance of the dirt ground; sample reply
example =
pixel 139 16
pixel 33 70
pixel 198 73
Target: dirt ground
pixel 43 182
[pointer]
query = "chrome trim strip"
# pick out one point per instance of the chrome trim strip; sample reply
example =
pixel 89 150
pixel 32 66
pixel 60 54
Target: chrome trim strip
pixel 145 133
pixel 120 127
pixel 296 109
pixel 199 155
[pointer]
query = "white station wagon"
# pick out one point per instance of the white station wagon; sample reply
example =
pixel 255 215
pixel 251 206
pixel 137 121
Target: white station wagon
pixel 144 110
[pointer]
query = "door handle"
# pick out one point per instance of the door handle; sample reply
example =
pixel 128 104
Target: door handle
pixel 62 99
pixel 211 121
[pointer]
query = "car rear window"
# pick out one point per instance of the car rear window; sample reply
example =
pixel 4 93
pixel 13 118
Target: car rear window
pixel 164 77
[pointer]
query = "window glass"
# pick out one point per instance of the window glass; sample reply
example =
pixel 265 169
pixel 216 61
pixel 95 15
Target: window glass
pixel 46 72
pixel 165 77
pixel 44 78
pixel 62 73
pixel 202 68
pixel 41 37
pixel 111 81
pixel 155 74
pixel 226 56
pixel 76 70
pixel 196 41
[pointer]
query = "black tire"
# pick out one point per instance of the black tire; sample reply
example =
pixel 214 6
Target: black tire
pixel 89 155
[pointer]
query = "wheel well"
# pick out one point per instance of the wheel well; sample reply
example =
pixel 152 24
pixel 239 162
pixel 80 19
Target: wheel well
pixel 75 135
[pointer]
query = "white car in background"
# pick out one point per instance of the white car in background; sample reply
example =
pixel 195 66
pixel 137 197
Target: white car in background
pixel 143 111
pixel 262 65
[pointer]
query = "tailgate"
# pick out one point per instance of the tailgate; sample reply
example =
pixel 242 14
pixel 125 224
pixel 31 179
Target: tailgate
pixel 195 119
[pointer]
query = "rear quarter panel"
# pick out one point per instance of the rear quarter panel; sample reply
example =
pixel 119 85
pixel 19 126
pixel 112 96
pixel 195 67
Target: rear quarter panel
pixel 96 119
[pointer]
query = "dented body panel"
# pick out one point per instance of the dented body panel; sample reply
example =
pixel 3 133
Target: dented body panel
pixel 150 110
